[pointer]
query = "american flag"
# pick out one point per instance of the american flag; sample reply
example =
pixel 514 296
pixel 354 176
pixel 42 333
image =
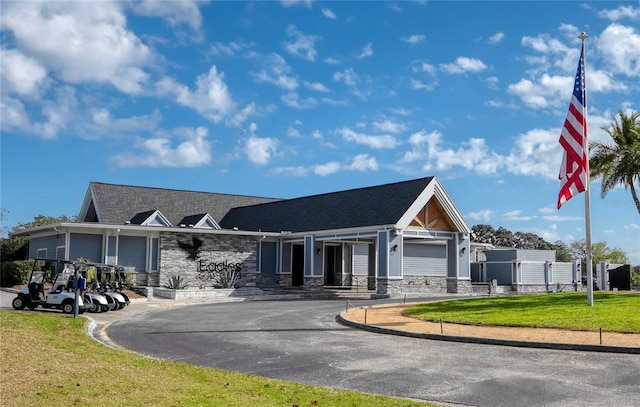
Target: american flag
pixel 573 139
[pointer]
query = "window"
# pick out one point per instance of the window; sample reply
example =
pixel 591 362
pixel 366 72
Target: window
pixel 41 253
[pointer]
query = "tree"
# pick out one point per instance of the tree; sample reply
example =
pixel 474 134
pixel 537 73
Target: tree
pixel 599 252
pixel 562 251
pixel 17 247
pixel 619 163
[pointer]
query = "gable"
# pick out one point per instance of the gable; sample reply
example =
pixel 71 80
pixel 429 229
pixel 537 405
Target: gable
pixel 432 217
pixel 434 209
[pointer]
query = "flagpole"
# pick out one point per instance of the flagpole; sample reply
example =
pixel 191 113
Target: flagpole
pixel 587 191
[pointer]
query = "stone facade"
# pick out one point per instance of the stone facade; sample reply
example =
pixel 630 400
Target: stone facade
pixel 459 286
pixel 543 288
pixel 424 284
pixel 313 284
pixel 217 256
pixel 389 287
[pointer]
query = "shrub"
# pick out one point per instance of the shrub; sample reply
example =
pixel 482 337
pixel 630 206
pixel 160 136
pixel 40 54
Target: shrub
pixel 175 281
pixel 226 279
pixel 15 272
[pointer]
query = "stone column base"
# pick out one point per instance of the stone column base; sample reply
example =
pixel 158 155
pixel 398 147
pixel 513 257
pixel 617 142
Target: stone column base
pixel 313 283
pixel 456 286
pixel 388 287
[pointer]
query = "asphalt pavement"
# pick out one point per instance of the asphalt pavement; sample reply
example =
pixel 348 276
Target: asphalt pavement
pixel 300 340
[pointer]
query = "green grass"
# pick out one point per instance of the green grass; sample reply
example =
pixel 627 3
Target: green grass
pixel 48 360
pixel 613 312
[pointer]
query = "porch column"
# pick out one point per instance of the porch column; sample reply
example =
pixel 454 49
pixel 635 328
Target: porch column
pixel 389 262
pixel 458 264
pixel 313 271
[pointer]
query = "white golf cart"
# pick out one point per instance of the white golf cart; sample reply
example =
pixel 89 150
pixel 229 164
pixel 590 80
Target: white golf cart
pixel 59 273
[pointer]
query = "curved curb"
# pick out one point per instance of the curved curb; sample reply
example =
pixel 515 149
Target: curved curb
pixel 341 319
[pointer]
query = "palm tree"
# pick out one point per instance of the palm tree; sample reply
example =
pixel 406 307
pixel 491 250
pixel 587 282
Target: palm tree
pixel 619 163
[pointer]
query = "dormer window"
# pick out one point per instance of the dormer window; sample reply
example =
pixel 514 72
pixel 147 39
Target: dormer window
pixel 151 218
pixel 202 221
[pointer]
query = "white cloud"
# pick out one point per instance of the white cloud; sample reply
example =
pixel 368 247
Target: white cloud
pixel 299 171
pixel 516 215
pixel 58 36
pixel 632 226
pixel 327 169
pixel 107 124
pixel 175 12
pixel 620 13
pixel 302 3
pixel 229 49
pixel 367 51
pixel 347 76
pixel 481 216
pixel 620 47
pixel 293 132
pixel 277 73
pixel 293 100
pixel 472 155
pixel 352 80
pixel 193 151
pixel 317 86
pixel 558 218
pixel 331 61
pixel 496 38
pixel 414 39
pixel 549 91
pixel 419 85
pixel 389 126
pixel 420 66
pixel 21 74
pixel 547 209
pixel 463 65
pixel 536 153
pixel 328 13
pixel 260 150
pixel 211 98
pixel 301 45
pixel 363 162
pixel 375 142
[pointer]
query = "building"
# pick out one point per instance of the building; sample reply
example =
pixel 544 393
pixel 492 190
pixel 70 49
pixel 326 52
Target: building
pixel 405 237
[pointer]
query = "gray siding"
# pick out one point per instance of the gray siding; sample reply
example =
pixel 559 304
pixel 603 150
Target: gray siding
pixel 132 252
pixel 563 273
pixel 425 260
pixel 537 255
pixel 360 259
pixel 85 246
pixel 48 242
pixel 533 273
pixel 521 254
pixel 286 258
pixel 501 255
pixel 500 272
pixel 268 258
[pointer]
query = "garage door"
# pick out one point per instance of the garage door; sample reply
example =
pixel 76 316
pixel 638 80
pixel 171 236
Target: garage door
pixel 424 260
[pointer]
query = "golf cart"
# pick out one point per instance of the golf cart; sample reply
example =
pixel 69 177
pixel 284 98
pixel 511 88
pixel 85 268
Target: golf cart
pixel 111 289
pixel 59 273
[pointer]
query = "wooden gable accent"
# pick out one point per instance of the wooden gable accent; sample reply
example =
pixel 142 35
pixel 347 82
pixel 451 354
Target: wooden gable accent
pixel 433 217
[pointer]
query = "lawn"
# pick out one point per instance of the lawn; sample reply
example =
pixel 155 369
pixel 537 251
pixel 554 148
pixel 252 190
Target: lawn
pixel 48 360
pixel 612 311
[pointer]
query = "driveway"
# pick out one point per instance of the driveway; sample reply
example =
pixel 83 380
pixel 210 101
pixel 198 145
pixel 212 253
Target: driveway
pixel 300 341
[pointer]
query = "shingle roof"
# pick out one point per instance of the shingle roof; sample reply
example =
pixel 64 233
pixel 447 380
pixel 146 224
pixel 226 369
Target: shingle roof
pixel 377 205
pixel 116 204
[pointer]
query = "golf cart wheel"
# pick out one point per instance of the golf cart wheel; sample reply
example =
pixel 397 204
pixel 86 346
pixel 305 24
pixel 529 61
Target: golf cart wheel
pixel 104 308
pixel 18 303
pixel 67 307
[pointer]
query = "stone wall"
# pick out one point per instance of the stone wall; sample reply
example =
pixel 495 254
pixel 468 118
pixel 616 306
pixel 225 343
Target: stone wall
pixel 217 255
pixel 455 286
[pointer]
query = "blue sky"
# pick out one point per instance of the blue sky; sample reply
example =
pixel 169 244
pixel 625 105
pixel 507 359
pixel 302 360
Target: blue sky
pixel 293 98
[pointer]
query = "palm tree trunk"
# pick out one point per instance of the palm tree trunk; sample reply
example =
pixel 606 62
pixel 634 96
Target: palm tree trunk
pixel 635 196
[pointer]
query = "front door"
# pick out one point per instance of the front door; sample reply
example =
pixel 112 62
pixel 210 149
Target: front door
pixel 297 265
pixel 333 265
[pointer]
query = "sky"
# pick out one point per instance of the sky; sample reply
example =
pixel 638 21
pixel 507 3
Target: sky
pixel 295 98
